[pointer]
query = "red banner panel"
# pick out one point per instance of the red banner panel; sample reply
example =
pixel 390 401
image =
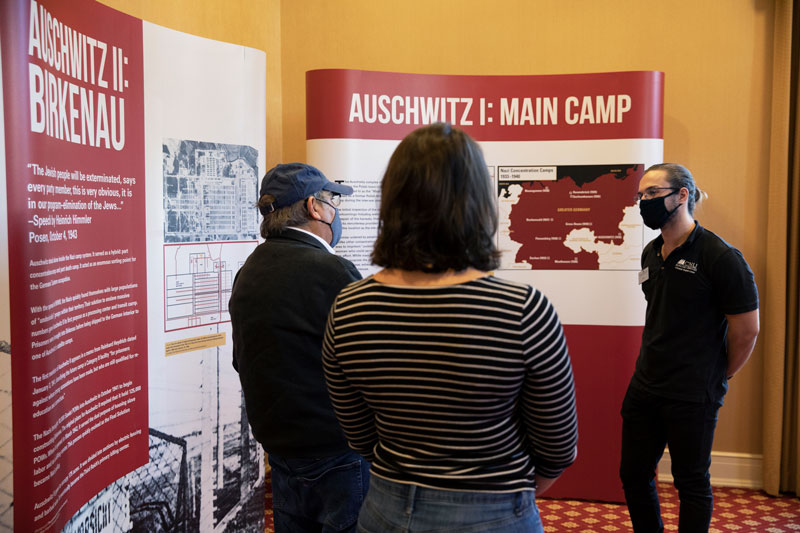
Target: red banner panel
pixel 603 359
pixel 74 137
pixel 357 104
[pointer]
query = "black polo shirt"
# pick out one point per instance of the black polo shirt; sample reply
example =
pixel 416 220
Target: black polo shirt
pixel 683 354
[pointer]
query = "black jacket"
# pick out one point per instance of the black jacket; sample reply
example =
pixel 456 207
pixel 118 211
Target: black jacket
pixel 279 305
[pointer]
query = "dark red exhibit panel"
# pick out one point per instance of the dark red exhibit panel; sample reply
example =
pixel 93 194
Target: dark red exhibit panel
pixel 73 99
pixel 361 104
pixel 603 359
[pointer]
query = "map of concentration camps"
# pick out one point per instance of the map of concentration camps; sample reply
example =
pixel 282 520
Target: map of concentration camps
pixel 569 217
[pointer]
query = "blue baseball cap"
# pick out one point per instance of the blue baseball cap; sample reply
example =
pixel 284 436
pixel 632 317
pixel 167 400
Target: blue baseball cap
pixel 291 182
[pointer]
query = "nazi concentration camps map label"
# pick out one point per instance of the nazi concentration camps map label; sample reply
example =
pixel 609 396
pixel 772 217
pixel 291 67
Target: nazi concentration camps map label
pixel 569 217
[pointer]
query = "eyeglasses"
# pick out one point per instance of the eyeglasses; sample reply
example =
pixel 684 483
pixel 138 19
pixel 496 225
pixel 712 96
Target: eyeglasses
pixel 334 200
pixel 652 192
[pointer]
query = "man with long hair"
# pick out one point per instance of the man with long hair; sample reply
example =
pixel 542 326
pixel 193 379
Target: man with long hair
pixel 700 329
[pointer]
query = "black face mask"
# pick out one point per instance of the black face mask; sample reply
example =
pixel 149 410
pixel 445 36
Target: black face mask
pixel 654 211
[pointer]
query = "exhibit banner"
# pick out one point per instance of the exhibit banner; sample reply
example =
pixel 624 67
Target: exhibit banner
pixel 74 109
pixel 565 153
pixel 131 163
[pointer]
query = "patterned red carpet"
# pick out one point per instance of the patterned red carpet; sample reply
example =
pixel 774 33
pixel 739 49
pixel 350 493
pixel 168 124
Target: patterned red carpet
pixel 735 511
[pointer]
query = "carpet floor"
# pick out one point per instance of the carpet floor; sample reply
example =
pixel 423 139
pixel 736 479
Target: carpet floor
pixel 735 511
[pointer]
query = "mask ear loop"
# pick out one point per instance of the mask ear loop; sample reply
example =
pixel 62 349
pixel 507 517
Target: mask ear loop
pixel 305 204
pixel 675 190
pixel 322 220
pixel 686 203
pixel 317 217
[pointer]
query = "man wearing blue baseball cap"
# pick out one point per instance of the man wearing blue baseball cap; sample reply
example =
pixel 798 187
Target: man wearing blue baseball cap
pixel 279 305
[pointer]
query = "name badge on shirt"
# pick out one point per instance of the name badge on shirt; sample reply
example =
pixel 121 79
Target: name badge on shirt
pixel 644 275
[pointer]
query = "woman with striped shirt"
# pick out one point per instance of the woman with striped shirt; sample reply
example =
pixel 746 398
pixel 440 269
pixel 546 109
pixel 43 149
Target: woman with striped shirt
pixel 454 384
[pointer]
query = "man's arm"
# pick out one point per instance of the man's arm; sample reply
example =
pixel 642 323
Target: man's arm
pixel 742 332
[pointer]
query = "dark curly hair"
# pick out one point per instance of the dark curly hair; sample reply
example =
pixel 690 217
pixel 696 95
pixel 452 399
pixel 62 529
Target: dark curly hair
pixel 438 209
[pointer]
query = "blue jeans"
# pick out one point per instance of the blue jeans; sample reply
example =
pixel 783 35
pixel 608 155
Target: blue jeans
pixel 398 508
pixel 649 423
pixel 318 495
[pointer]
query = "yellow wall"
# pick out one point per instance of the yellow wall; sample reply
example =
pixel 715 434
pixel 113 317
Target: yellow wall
pixel 253 23
pixel 716 55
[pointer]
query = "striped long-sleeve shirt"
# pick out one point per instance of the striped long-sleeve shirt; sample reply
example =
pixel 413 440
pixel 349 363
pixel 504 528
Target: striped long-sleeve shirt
pixel 458 387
